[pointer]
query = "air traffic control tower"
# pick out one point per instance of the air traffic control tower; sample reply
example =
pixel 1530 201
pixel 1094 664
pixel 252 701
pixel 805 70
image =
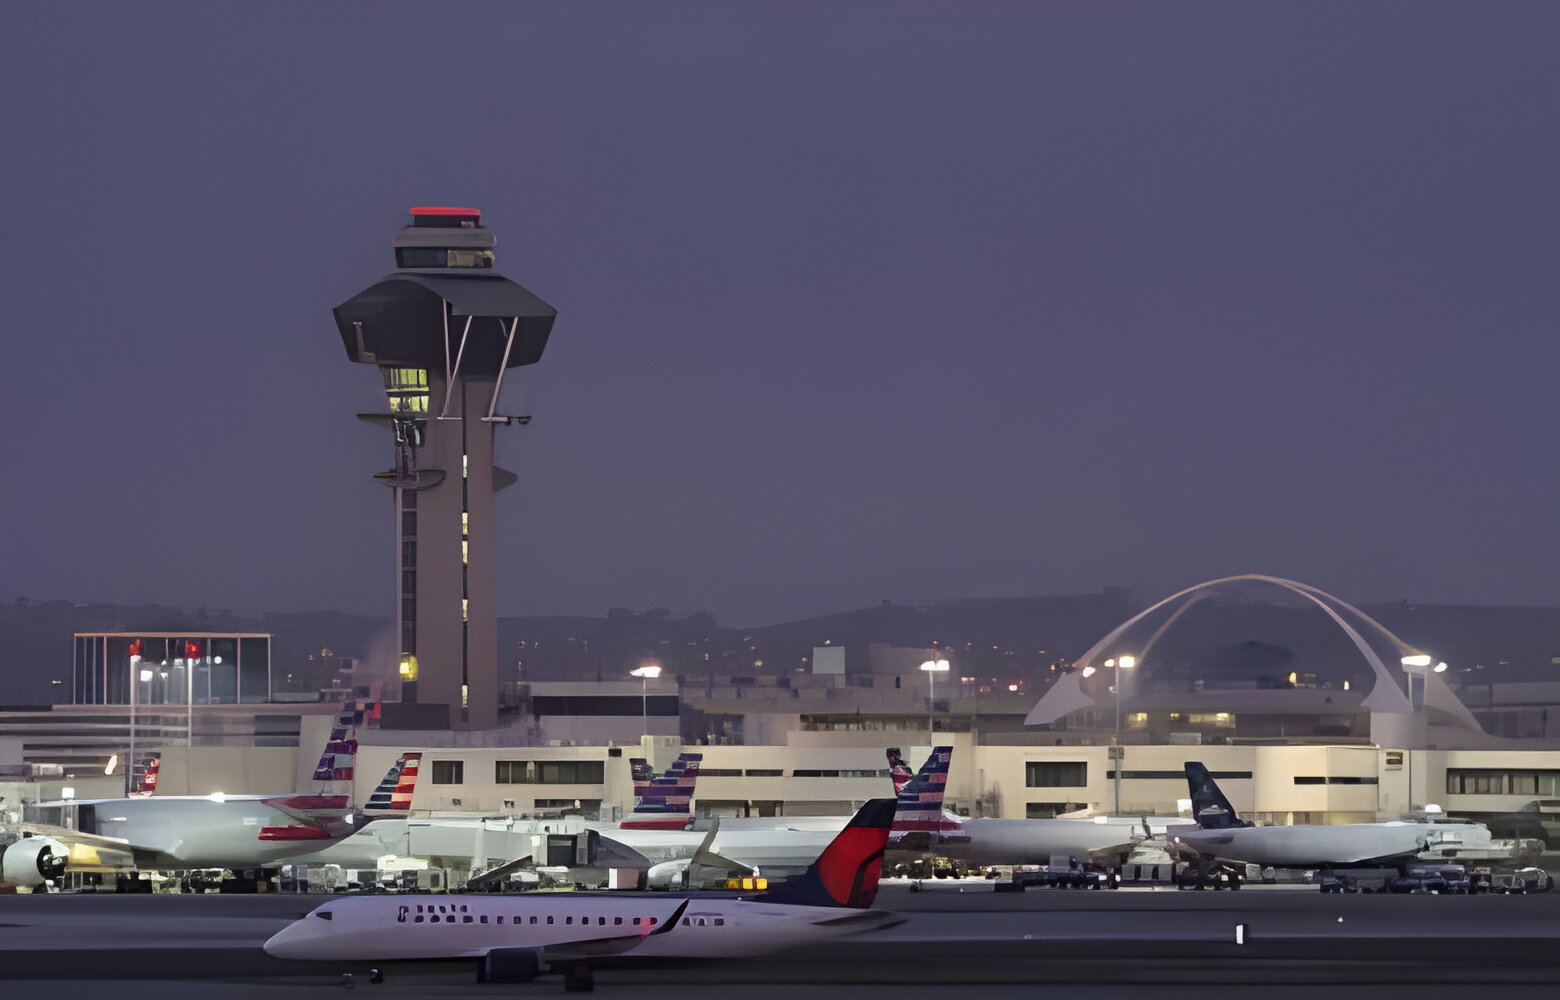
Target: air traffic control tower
pixel 443 329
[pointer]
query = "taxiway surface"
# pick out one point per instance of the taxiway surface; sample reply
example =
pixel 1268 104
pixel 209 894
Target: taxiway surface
pixel 955 940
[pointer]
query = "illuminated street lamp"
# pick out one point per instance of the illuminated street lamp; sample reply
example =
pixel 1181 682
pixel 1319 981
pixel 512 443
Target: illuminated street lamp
pixel 645 674
pixel 932 668
pixel 1120 663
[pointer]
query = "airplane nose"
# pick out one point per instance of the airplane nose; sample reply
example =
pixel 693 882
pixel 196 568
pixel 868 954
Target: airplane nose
pixel 289 942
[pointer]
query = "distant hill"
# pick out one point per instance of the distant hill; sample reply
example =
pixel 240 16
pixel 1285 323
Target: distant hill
pixel 1009 638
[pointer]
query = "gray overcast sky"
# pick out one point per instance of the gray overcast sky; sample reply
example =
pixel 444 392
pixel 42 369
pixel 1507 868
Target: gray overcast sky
pixel 856 302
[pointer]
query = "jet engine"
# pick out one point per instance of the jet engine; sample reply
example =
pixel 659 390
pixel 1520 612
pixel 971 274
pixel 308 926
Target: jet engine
pixel 32 861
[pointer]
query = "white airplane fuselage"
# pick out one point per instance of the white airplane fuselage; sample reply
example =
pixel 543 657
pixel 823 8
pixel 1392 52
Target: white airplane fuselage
pixel 378 928
pixel 1027 841
pixel 1307 846
pixel 182 832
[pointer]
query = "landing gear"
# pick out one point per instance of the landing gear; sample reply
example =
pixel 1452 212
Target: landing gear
pixel 579 979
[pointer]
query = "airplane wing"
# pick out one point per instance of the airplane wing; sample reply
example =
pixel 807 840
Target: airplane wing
pixel 704 857
pixel 320 817
pixel 615 943
pixel 89 852
pixel 1112 854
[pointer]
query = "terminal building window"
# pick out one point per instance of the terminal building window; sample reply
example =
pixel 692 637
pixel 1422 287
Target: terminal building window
pixel 1540 784
pixel 449 772
pixel 549 772
pixel 1056 774
pixel 1049 810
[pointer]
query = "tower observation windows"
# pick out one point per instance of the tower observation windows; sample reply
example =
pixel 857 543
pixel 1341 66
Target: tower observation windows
pixel 407 389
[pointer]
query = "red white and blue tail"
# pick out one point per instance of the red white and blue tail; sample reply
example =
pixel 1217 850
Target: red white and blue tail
pixel 393 795
pixel 666 803
pixel 847 872
pixel 920 802
pixel 898 770
pixel 340 756
pixel 920 821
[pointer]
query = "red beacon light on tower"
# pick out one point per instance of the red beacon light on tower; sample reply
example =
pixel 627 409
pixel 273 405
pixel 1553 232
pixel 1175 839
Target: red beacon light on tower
pixel 441 238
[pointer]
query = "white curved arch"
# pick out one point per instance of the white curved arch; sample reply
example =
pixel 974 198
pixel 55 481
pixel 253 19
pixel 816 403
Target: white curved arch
pixel 1385 696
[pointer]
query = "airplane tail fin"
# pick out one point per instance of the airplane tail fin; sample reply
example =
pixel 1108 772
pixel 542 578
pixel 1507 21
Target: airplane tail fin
pixel 1209 806
pixel 898 770
pixel 847 872
pixel 666 802
pixel 919 805
pixel 337 762
pixel 393 796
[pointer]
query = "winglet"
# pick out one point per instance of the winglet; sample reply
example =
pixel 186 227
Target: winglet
pixel 1209 806
pixel 670 921
pixel 847 872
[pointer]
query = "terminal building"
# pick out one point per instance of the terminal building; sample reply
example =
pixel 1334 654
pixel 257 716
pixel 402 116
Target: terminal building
pixel 1329 744
pixel 1364 727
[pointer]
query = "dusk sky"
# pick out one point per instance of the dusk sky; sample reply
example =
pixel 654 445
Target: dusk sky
pixel 856 302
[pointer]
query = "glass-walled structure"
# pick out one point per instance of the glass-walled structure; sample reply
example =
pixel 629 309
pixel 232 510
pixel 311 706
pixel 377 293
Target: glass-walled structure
pixel 171 668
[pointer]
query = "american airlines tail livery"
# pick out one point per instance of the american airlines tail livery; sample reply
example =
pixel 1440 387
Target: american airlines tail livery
pixel 526 934
pixel 183 832
pixel 922 824
pixel 666 802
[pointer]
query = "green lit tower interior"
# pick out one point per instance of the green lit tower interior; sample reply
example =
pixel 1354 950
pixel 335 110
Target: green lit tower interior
pixel 443 329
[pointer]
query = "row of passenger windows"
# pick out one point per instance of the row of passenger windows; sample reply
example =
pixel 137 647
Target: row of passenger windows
pixel 434 914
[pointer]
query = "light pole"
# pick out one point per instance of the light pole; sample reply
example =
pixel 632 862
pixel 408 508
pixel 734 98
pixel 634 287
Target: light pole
pixel 932 668
pixel 645 674
pixel 1120 663
pixel 1417 666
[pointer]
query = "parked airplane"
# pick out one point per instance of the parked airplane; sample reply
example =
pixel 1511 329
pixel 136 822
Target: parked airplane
pixel 1221 836
pixel 183 832
pixel 662 828
pixel 517 936
pixel 922 825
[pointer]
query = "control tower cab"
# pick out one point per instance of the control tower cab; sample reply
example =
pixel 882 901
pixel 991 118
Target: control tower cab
pixel 443 329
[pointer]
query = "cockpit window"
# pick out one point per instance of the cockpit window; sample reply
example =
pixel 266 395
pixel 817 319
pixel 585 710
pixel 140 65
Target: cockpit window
pixel 324 914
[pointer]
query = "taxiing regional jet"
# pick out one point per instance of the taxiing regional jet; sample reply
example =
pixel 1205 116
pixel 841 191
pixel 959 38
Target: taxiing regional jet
pixel 522 934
